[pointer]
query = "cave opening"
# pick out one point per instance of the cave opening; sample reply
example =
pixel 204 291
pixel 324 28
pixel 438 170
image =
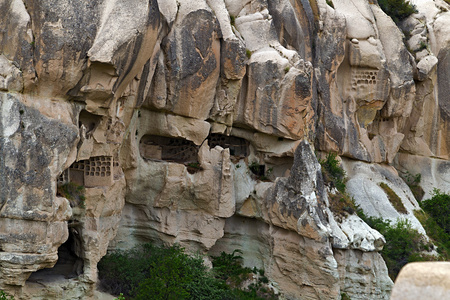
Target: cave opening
pixel 70 263
pixel 89 121
pixel 239 147
pixel 177 150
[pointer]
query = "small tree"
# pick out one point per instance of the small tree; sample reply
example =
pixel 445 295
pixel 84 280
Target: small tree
pixel 398 10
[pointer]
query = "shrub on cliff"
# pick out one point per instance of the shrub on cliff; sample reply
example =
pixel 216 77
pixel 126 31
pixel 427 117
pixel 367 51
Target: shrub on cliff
pixel 341 204
pixel 398 10
pixel 404 244
pixel 333 172
pixel 435 218
pixel 5 296
pixel 439 208
pixel 150 272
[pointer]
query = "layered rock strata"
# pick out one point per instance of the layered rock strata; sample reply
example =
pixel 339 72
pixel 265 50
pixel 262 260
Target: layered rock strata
pixel 199 122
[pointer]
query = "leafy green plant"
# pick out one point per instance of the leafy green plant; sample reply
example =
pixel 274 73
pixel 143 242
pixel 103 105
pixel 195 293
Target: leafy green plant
pixel 120 297
pixel 232 20
pixel 340 203
pixel 344 296
pixel 248 53
pixel 150 272
pixel 439 208
pixel 398 10
pixel 333 172
pixel 393 198
pixel 72 192
pixel 5 296
pixel 193 167
pixel 228 267
pixel 423 45
pixel 413 181
pixel 403 243
pixel 440 238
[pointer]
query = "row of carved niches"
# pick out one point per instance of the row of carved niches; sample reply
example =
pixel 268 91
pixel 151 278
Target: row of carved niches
pixel 238 147
pixel 183 151
pixel 168 148
pixel 369 84
pixel 95 171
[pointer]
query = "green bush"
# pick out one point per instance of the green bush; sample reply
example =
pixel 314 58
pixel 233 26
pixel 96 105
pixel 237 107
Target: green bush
pixel 413 181
pixel 440 238
pixel 436 221
pixel 150 272
pixel 5 296
pixel 333 171
pixel 340 203
pixel 404 244
pixel 398 10
pixel 439 208
pixel 228 267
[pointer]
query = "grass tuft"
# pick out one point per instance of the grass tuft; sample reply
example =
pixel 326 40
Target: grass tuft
pixel 394 198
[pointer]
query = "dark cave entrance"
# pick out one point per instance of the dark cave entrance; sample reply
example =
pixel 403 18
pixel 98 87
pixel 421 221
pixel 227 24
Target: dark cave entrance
pixel 69 264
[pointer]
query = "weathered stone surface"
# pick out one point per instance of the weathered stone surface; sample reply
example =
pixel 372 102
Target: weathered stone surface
pixel 422 280
pixel 364 186
pixel 194 230
pixel 298 202
pixel 192 54
pixel 359 235
pixel 433 172
pixel 10 76
pixel 141 85
pixel 32 219
pixel 363 275
pixel 154 123
pixel 286 257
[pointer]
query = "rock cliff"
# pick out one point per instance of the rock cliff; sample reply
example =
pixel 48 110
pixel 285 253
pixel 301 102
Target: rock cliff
pixel 201 123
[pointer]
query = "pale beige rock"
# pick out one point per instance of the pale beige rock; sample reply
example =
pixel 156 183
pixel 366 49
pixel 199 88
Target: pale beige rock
pixel 285 256
pixel 169 9
pixel 433 172
pixel 340 78
pixel 10 76
pixel 360 20
pixel 194 230
pixel 364 186
pixel 155 123
pixel 400 71
pixel 423 280
pixel 363 275
pixel 360 235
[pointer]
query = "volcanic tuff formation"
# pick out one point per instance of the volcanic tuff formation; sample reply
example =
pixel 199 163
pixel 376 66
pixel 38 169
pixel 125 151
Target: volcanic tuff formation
pixel 174 113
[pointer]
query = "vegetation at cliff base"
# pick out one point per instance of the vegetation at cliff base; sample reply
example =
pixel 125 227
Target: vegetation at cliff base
pixel 5 296
pixel 151 272
pixel 398 10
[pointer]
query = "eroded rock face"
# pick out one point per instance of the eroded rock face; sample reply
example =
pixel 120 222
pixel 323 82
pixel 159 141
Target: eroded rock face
pixel 197 122
pixel 33 220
